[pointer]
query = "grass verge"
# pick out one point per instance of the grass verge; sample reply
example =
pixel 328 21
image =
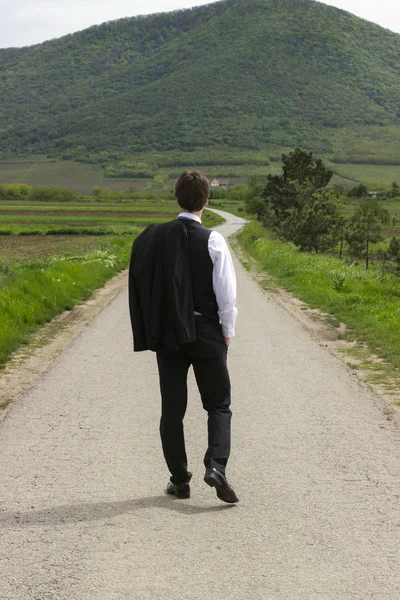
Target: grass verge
pixel 32 293
pixel 365 301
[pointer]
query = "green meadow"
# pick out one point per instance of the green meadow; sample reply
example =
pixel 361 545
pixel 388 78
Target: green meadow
pixel 34 291
pixel 76 176
pixel 373 176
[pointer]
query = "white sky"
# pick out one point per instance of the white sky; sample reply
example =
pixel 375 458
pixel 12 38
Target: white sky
pixel 26 22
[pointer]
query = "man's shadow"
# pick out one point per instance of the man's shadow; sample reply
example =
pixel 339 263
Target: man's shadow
pixel 97 511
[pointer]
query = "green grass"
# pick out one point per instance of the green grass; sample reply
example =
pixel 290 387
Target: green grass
pixel 106 219
pixel 392 206
pixel 76 176
pixel 48 263
pixel 236 208
pixel 360 145
pixel 32 293
pixel 367 303
pixel 373 176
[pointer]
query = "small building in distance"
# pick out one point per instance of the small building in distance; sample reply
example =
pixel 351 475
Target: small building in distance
pixel 373 194
pixel 217 183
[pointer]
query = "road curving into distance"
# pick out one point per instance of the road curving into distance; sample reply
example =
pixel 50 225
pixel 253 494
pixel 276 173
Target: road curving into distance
pixel 314 460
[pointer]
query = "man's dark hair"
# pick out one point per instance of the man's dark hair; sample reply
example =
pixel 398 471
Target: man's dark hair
pixel 192 190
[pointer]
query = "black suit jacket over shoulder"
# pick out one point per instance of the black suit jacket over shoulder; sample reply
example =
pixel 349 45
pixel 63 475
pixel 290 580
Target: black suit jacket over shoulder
pixel 160 288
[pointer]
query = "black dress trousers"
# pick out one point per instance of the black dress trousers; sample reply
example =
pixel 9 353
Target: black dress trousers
pixel 208 355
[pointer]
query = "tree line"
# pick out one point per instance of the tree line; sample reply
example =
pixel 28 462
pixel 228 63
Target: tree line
pixel 300 207
pixel 21 191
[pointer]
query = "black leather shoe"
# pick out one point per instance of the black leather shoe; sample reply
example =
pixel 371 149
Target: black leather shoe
pixel 225 492
pixel 181 490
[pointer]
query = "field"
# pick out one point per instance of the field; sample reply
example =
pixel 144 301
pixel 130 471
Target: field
pixel 86 217
pixel 78 177
pixel 53 256
pixel 17 249
pixel 83 178
pixel 373 176
pixel 35 288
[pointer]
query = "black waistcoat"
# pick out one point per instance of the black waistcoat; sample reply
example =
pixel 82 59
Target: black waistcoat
pixel 204 299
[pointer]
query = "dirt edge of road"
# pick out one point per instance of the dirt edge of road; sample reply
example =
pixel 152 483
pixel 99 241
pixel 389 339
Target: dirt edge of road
pixel 30 361
pixel 336 339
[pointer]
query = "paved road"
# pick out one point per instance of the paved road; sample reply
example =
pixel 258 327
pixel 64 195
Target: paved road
pixel 315 463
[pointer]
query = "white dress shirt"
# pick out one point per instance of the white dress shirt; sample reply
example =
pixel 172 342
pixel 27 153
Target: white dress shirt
pixel 224 278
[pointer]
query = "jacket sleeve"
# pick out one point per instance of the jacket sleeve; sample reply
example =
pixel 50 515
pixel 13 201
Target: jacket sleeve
pixel 137 265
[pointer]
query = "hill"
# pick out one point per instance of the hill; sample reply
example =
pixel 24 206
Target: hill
pixel 247 74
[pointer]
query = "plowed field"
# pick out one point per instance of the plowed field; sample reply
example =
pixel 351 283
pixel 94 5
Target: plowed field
pixel 35 247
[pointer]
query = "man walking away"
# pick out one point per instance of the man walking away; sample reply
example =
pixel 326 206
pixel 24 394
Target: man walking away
pixel 182 296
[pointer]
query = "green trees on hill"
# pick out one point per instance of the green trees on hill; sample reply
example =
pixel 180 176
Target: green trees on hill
pixel 244 74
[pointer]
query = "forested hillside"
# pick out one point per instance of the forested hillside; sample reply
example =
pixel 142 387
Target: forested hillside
pixel 237 73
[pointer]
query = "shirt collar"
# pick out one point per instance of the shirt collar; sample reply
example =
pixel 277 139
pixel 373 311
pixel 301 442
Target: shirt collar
pixel 187 215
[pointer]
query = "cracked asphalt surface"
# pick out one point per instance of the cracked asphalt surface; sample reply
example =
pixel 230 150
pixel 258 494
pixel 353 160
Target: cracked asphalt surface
pixel 315 462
